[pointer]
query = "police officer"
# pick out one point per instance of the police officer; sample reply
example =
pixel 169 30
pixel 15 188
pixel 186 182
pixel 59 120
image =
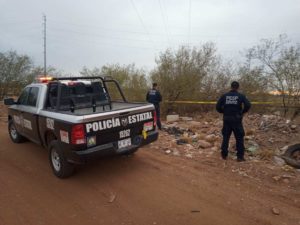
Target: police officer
pixel 154 97
pixel 233 105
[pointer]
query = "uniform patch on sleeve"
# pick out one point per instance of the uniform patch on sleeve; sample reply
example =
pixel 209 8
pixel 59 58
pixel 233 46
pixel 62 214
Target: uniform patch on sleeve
pixel 64 136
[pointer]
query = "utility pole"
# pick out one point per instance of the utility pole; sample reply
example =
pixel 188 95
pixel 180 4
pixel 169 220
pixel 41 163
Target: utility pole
pixel 45 49
pixel 190 12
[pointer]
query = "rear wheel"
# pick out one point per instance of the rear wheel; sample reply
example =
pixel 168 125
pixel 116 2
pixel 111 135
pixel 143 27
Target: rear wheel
pixel 14 134
pixel 59 164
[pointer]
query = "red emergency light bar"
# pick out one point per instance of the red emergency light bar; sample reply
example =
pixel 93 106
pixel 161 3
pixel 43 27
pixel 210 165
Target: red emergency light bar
pixel 44 79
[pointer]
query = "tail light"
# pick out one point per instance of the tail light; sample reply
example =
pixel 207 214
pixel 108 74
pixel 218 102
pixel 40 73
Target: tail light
pixel 155 119
pixel 78 135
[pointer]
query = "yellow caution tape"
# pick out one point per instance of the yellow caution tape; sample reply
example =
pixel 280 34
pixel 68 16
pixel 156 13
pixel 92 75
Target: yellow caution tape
pixel 213 102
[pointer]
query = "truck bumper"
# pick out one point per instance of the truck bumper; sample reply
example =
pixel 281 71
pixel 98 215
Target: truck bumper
pixel 80 157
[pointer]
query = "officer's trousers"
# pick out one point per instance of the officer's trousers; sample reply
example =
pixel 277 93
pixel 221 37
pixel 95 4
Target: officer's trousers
pixel 238 131
pixel 157 110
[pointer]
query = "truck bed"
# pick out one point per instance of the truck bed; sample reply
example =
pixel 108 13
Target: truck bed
pixel 99 109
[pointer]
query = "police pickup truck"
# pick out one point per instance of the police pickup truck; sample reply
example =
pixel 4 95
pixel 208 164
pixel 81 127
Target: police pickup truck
pixel 75 119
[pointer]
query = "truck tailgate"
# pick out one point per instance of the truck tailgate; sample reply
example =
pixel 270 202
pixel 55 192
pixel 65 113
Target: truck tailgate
pixel 128 125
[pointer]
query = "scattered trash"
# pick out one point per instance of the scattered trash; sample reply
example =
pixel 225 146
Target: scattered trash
pixel 176 152
pixel 186 137
pixel 286 180
pixel 195 211
pixel 211 138
pixel 214 149
pixel 112 197
pixel 168 152
pixel 189 155
pixel 204 144
pixel 182 141
pixel 185 118
pixel 284 148
pixel 287 168
pixel 247 138
pixel 250 132
pixel 275 211
pixel 172 118
pixel 252 147
pixel 278 161
pixel 276 178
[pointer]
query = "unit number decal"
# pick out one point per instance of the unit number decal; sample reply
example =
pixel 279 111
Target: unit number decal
pixel 124 133
pixel 50 123
pixel 27 124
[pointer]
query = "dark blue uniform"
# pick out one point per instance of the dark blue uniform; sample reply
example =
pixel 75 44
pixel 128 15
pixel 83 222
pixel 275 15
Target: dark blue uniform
pixel 154 97
pixel 233 105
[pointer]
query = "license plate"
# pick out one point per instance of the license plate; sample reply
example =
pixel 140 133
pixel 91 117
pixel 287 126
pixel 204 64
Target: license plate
pixel 124 143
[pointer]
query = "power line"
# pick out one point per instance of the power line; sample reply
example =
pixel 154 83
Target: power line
pixel 98 35
pixel 59 40
pixel 141 20
pixel 164 21
pixel 167 19
pixel 184 35
pixel 18 22
pixel 57 22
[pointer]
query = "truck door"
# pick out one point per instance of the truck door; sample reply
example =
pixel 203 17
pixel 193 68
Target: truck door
pixel 16 113
pixel 28 115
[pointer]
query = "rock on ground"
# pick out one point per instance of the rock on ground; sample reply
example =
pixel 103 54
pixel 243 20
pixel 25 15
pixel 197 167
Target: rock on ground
pixel 204 144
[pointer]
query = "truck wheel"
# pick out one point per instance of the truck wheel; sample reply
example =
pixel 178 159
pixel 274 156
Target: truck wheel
pixel 59 164
pixel 14 134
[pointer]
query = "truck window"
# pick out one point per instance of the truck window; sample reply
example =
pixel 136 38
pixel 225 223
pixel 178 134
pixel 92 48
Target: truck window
pixel 24 96
pixel 33 95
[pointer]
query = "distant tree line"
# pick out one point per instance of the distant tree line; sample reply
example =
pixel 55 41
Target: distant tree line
pixel 132 80
pixel 187 73
pixel 16 71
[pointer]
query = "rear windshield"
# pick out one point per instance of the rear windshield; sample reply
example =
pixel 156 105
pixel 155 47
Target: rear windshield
pixel 76 95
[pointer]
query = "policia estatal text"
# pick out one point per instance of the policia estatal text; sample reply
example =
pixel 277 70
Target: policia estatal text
pixel 233 105
pixel 154 97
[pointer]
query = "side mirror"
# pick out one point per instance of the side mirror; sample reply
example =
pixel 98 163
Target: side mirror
pixel 9 101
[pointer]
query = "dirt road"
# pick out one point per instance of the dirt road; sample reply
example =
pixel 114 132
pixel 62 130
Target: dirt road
pixel 148 188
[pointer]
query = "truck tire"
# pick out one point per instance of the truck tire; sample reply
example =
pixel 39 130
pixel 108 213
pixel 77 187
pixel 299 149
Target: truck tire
pixel 292 156
pixel 14 134
pixel 58 162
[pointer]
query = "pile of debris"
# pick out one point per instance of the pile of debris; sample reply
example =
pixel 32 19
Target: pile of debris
pixel 189 137
pixel 267 136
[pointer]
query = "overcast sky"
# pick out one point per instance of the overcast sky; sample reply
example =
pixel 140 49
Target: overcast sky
pixel 97 32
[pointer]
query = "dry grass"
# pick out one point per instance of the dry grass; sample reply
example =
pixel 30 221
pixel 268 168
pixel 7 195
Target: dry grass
pixel 265 154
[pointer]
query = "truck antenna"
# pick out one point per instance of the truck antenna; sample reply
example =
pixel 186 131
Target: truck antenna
pixel 45 49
